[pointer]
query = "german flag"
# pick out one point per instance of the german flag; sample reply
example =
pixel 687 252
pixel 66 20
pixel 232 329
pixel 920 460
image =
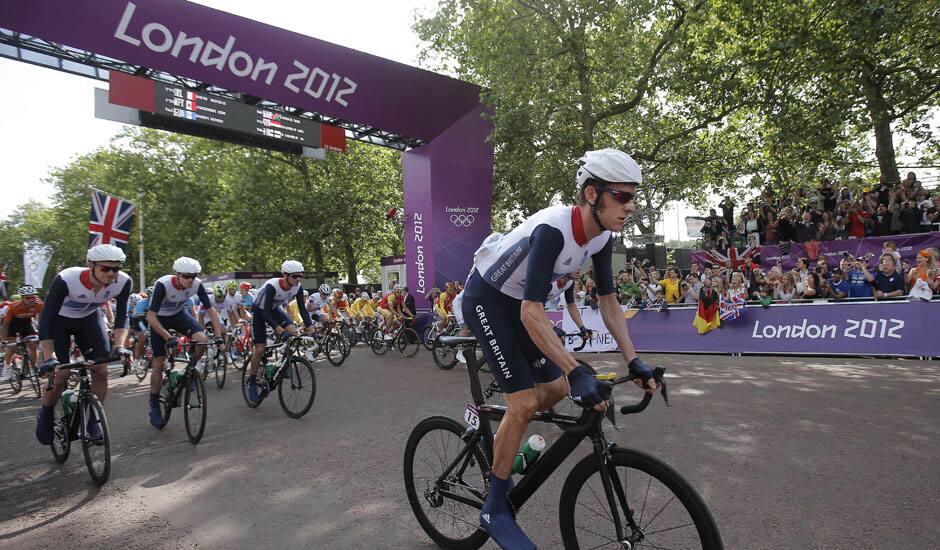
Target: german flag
pixel 706 318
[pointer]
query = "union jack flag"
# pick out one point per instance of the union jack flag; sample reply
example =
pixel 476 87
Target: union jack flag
pixel 734 259
pixel 110 221
pixel 730 308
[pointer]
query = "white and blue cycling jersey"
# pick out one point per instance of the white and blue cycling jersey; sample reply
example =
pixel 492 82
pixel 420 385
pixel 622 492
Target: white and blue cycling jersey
pixel 170 298
pixel 535 260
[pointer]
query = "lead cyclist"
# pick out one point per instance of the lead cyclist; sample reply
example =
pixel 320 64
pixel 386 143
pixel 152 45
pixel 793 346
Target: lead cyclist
pixel 513 276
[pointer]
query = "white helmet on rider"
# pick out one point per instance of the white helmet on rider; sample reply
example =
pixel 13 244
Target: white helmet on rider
pixel 105 253
pixel 608 166
pixel 27 290
pixel 324 289
pixel 397 288
pixel 365 296
pixel 292 266
pixel 184 264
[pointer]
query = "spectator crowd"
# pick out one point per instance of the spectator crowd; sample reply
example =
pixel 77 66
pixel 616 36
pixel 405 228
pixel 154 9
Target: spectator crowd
pixel 825 214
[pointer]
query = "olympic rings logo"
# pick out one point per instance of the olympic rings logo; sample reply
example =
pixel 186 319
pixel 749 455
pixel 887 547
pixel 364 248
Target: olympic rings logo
pixel 462 220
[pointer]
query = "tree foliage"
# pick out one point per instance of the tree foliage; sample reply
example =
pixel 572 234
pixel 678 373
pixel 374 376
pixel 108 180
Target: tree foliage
pixel 702 93
pixel 231 207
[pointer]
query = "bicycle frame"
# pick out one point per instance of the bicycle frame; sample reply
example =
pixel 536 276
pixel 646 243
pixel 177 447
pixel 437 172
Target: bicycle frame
pixel 574 429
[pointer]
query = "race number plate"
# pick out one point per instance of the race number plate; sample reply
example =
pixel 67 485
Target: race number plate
pixel 472 416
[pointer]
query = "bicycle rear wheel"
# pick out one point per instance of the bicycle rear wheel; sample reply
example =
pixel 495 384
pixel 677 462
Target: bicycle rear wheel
pixel 657 507
pixel 141 366
pixel 297 393
pixel 407 342
pixel 97 451
pixel 194 408
pixel 445 357
pixel 446 503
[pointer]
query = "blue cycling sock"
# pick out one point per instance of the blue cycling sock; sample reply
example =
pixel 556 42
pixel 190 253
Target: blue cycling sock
pixel 496 518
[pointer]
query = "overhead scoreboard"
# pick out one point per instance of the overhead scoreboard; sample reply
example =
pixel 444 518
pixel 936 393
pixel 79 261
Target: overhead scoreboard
pixel 178 109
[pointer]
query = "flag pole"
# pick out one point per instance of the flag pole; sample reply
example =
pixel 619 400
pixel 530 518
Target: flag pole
pixel 140 234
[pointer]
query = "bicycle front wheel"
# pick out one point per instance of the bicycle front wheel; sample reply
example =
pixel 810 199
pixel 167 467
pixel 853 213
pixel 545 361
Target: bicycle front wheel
pixel 445 502
pixel 407 342
pixel 297 387
pixel 657 507
pixel 141 366
pixel 333 349
pixel 428 336
pixel 194 408
pixel 97 450
pixel 379 343
pixel 16 377
pixel 445 357
pixel 220 365
pixel 61 442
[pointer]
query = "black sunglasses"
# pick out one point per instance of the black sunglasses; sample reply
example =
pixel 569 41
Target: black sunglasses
pixel 188 275
pixel 109 269
pixel 623 197
pixel 294 275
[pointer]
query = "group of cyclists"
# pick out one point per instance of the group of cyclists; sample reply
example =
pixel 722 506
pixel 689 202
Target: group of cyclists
pixel 501 303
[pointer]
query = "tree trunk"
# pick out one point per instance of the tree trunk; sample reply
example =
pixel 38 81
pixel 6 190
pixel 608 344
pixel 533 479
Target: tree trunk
pixel 351 269
pixel 317 256
pixel 880 114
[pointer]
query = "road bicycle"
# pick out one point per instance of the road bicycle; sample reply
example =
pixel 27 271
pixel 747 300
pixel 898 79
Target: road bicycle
pixel 185 384
pixel 614 497
pixel 22 366
pixel 142 365
pixel 80 410
pixel 216 360
pixel 402 338
pixel 291 375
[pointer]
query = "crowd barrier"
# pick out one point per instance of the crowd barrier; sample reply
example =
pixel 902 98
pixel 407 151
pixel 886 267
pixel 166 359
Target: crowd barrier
pixel 895 329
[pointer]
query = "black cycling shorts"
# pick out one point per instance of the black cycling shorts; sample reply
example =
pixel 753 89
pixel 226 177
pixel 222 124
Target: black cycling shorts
pixel 495 319
pixel 22 326
pixel 259 329
pixel 182 322
pixel 91 337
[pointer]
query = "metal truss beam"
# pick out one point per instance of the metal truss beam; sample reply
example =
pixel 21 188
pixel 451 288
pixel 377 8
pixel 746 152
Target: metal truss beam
pixel 36 51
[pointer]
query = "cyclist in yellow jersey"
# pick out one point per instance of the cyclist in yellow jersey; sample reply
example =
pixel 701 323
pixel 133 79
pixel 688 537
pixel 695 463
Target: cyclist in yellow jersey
pixel 363 307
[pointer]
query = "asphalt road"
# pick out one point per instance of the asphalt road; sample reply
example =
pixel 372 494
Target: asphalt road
pixel 787 452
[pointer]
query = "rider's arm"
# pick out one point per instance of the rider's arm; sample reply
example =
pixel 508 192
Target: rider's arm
pixel 303 310
pixel 120 320
pixel 159 293
pixel 58 292
pixel 203 297
pixel 268 311
pixel 546 244
pixel 611 312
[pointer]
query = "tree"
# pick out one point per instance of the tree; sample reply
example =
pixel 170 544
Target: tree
pixel 566 77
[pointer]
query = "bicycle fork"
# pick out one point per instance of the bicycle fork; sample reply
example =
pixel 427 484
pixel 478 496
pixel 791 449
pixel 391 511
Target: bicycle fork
pixel 613 487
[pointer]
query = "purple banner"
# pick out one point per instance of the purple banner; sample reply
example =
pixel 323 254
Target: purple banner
pixel 448 187
pixel 242 55
pixel 888 328
pixel 832 251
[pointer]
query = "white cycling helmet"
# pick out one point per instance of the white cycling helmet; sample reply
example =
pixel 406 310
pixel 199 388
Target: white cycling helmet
pixel 396 288
pixel 325 289
pixel 292 266
pixel 186 265
pixel 365 296
pixel 105 253
pixel 27 290
pixel 608 166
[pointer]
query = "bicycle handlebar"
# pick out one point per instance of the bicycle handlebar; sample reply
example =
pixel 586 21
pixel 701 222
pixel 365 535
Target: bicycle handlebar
pixel 641 405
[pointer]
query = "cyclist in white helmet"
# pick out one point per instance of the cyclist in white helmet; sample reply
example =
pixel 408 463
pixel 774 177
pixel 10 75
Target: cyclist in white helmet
pixel 503 304
pixel 317 301
pixel 170 309
pixel 268 309
pixel 73 309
